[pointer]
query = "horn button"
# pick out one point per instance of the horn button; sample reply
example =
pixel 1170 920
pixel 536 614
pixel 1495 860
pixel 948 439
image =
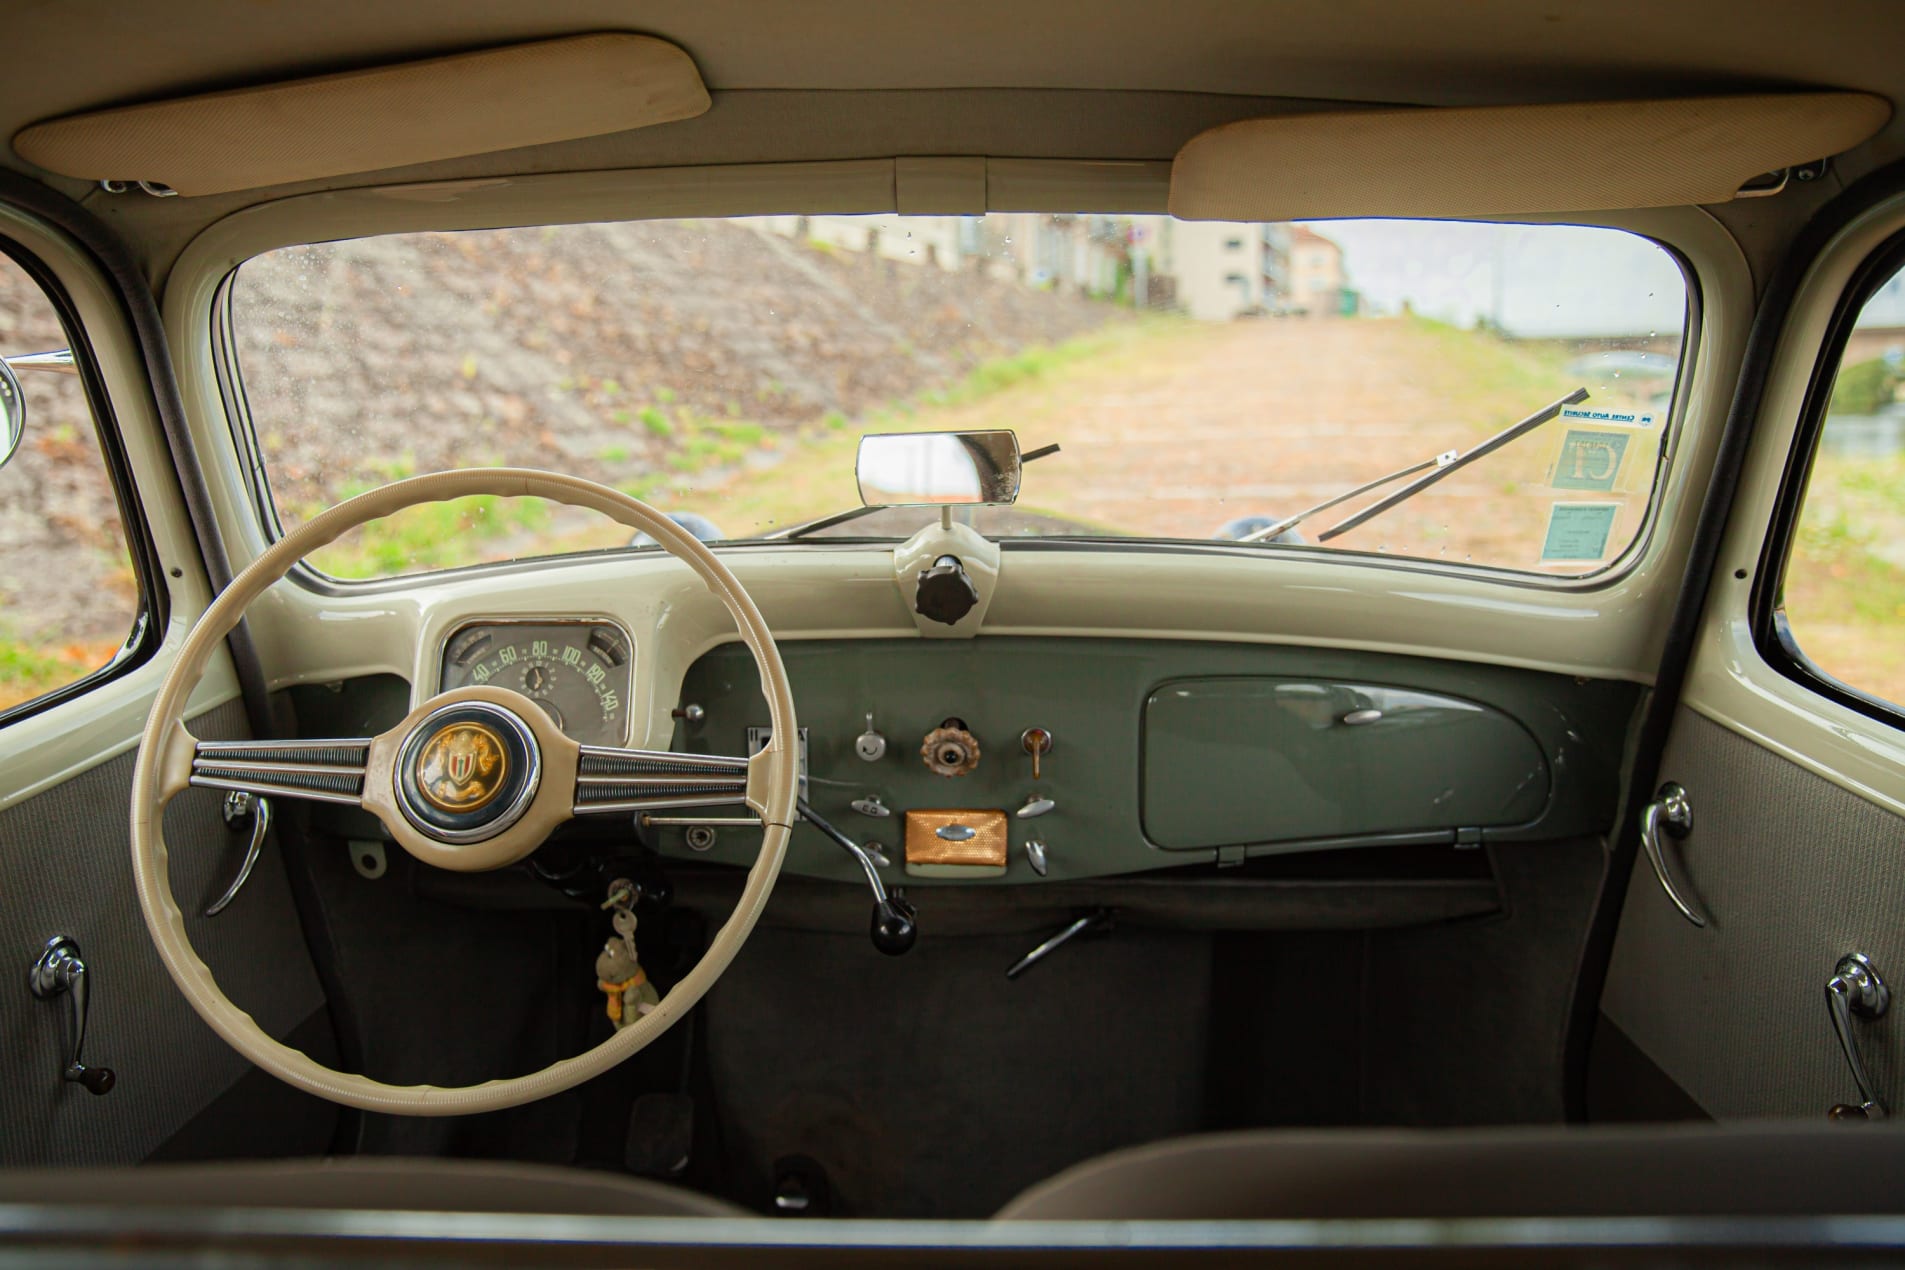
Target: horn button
pixel 467 772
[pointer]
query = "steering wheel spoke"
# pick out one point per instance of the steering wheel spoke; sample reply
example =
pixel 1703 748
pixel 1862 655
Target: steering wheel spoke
pixel 329 771
pixel 621 781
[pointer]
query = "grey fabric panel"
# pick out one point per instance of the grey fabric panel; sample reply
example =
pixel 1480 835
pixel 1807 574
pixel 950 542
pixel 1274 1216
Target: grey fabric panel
pixel 1793 872
pixel 65 869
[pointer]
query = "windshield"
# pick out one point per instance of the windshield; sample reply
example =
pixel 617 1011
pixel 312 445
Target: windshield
pixel 1203 380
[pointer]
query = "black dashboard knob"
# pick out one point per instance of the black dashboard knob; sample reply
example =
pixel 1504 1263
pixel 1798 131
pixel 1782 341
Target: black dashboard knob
pixel 894 927
pixel 946 592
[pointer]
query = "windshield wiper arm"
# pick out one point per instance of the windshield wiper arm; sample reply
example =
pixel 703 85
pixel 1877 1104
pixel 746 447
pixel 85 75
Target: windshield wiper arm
pixel 1443 464
pixel 1460 461
pixel 1291 522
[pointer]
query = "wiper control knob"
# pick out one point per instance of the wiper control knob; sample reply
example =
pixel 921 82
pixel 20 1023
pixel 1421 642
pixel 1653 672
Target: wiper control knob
pixel 946 592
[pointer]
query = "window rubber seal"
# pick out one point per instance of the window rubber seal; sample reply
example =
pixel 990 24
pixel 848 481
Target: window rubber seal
pixel 141 311
pixel 1772 635
pixel 147 629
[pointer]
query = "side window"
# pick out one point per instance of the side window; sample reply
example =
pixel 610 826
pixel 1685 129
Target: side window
pixel 69 593
pixel 1842 603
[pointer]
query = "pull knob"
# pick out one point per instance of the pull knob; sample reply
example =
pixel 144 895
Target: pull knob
pixel 950 750
pixel 61 971
pixel 1038 743
pixel 946 592
pixel 1855 990
pixel 870 746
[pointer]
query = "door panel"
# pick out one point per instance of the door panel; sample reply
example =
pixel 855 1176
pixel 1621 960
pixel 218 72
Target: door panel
pixel 63 867
pixel 1791 877
pixel 1797 848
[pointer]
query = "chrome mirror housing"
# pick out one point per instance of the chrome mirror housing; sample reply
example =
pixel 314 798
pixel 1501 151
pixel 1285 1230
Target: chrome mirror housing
pixel 12 414
pixel 935 469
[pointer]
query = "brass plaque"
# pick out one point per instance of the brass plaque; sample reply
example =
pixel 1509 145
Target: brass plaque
pixel 984 848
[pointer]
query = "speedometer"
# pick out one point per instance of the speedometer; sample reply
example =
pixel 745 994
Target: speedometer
pixel 578 671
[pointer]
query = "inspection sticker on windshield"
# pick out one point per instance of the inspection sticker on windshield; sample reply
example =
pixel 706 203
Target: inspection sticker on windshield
pixel 1608 415
pixel 1590 459
pixel 1578 531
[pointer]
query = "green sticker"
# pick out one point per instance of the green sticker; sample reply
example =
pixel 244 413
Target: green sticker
pixel 1589 459
pixel 1578 531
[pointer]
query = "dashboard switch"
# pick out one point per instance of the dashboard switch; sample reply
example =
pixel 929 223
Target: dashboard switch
pixel 1038 743
pixel 1035 855
pixel 1035 806
pixel 950 750
pixel 871 806
pixel 870 745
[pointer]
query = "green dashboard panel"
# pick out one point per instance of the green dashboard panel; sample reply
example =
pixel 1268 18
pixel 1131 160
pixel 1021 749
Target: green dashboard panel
pixel 1166 753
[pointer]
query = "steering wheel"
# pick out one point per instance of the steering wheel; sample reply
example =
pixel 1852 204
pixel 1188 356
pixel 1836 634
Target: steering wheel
pixel 473 779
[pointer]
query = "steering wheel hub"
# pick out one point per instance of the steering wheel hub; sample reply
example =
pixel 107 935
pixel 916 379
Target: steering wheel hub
pixel 467 772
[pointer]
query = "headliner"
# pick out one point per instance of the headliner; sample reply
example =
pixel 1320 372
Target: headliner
pixel 1133 79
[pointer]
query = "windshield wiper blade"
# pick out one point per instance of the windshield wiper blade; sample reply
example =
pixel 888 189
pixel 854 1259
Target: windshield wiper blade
pixel 1462 460
pixel 1291 522
pixel 825 522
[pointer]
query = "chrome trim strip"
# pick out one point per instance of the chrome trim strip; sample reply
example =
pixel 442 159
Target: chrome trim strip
pixel 659 803
pixel 282 791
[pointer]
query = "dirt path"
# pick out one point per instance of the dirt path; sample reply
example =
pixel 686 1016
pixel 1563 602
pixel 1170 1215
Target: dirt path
pixel 1172 431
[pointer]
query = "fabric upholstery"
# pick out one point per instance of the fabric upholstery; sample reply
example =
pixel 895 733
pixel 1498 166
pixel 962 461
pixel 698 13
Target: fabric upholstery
pixel 403 1185
pixel 1653 1171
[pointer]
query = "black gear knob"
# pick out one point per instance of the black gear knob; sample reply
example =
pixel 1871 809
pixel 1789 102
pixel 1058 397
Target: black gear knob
pixel 946 592
pixel 894 929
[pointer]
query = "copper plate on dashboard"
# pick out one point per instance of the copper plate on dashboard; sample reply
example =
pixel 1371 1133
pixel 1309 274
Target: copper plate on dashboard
pixel 984 846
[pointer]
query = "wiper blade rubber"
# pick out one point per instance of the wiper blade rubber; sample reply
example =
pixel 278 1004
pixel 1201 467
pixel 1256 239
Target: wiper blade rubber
pixel 1462 460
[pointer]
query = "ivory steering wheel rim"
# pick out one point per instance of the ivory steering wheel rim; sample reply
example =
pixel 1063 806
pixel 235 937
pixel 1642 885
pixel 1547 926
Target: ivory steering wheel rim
pixel 164 761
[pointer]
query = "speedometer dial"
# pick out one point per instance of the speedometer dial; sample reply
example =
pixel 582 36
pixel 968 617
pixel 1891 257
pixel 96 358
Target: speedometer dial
pixel 577 671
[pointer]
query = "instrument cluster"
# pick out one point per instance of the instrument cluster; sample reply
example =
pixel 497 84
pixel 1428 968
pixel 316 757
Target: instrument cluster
pixel 579 670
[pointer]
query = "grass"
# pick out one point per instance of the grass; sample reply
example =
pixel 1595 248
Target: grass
pixel 433 536
pixel 31 669
pixel 1845 585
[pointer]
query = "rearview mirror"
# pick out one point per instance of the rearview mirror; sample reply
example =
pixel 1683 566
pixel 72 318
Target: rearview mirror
pixel 12 414
pixel 920 469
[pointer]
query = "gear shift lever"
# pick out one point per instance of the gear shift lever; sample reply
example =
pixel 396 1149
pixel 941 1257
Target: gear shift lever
pixel 894 929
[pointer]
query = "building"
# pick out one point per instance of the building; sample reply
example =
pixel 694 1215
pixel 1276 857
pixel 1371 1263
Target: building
pixel 1217 270
pixel 1317 282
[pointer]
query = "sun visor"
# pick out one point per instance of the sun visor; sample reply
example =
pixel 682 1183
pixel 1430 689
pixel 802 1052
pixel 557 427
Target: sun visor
pixel 384 117
pixel 1503 160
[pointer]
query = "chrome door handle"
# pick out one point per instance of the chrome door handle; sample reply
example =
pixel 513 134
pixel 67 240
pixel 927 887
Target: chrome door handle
pixel 1856 989
pixel 1670 813
pixel 238 805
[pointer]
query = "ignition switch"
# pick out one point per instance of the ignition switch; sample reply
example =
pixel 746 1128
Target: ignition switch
pixel 949 749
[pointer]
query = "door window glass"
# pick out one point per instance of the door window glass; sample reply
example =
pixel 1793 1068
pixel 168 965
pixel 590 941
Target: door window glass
pixel 69 595
pixel 1843 600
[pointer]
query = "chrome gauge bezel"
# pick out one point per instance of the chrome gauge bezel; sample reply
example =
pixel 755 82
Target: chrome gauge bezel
pixel 456 632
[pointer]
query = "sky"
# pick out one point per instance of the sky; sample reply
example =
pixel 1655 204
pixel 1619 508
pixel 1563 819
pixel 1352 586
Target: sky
pixel 1536 280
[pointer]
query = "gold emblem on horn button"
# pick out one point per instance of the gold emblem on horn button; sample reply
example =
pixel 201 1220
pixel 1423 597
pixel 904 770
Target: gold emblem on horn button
pixel 462 767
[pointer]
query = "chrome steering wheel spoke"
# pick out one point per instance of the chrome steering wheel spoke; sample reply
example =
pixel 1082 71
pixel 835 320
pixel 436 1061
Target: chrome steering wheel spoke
pixel 328 771
pixel 620 781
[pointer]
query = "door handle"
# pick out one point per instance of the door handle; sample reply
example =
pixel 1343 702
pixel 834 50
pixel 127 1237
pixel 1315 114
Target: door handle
pixel 239 805
pixel 1671 813
pixel 1855 989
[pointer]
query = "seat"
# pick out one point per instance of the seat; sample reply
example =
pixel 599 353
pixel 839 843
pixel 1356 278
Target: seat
pixel 1769 1169
pixel 363 1182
